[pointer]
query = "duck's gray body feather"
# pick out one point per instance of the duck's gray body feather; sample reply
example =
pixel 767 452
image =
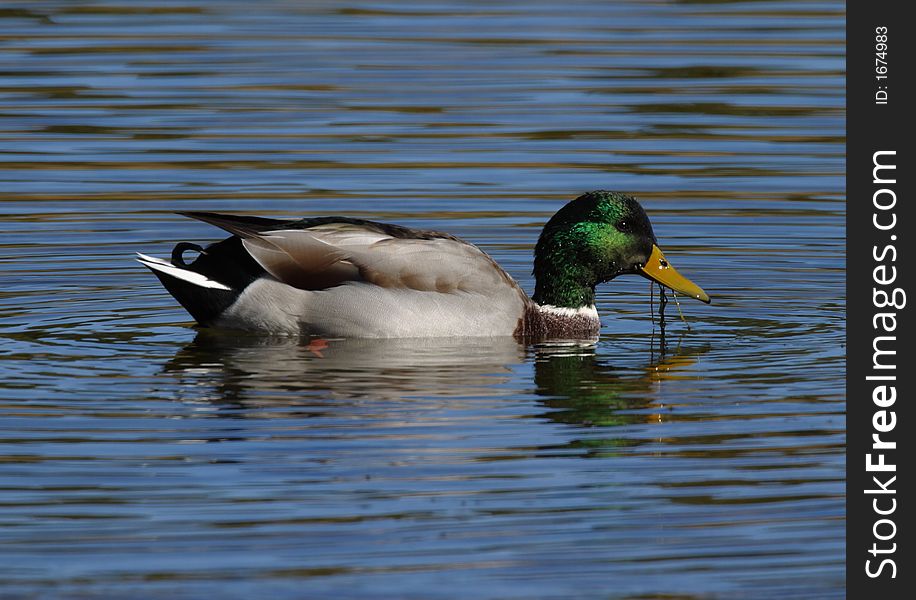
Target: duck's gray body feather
pixel 360 309
pixel 348 278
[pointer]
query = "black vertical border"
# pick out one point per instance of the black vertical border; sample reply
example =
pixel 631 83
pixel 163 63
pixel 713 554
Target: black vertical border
pixel 871 128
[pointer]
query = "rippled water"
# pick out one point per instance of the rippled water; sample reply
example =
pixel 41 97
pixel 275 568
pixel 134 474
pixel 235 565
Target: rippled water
pixel 142 458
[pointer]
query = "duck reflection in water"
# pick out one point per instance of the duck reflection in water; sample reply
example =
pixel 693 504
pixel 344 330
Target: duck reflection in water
pixel 578 384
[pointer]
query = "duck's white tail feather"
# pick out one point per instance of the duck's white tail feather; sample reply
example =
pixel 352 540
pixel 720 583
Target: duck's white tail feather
pixel 157 264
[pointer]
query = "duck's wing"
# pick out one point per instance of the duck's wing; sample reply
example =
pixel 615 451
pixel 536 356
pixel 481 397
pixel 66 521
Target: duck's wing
pixel 325 252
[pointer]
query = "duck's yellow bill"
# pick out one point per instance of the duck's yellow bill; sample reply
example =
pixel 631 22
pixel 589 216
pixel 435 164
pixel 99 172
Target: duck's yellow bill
pixel 658 269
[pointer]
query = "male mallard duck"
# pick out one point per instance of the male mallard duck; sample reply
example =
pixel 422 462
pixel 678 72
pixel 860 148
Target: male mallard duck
pixel 342 277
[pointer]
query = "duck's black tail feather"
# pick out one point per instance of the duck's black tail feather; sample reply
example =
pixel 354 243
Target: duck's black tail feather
pixel 212 282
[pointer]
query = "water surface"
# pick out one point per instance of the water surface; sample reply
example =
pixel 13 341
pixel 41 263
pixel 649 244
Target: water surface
pixel 142 458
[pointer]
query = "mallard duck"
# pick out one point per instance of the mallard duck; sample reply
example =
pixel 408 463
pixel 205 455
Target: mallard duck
pixel 343 277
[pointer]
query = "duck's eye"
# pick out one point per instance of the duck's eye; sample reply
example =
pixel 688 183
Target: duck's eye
pixel 623 226
pixel 663 264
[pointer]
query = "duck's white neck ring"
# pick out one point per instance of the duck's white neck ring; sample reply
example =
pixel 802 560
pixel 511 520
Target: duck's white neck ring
pixel 588 311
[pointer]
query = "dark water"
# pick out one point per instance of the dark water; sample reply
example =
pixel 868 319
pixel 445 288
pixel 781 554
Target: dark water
pixel 142 459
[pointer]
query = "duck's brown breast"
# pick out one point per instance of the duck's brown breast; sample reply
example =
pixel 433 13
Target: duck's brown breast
pixel 542 321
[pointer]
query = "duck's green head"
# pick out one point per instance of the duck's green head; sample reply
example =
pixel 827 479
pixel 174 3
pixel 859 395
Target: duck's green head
pixel 593 239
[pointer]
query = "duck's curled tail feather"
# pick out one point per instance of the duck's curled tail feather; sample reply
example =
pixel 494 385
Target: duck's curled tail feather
pixel 212 282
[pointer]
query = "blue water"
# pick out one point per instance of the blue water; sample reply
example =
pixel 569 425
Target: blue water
pixel 141 458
